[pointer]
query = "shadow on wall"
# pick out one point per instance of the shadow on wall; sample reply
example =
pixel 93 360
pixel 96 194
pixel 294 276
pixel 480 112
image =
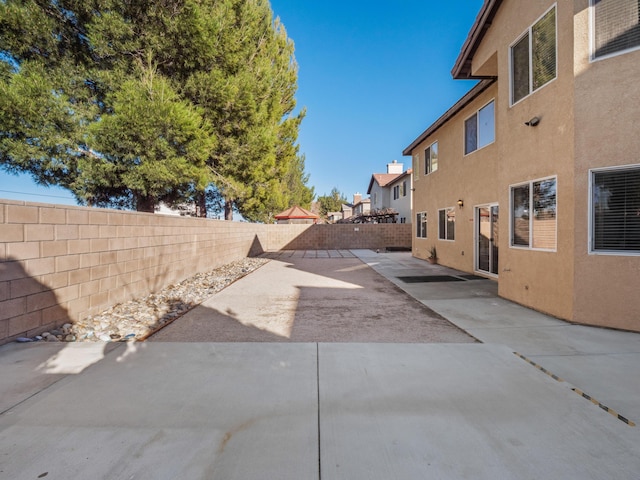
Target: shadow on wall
pixel 256 247
pixel 27 306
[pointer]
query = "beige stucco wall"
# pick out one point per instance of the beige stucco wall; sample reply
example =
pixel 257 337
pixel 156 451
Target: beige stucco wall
pixel 540 279
pixel 589 119
pixel 60 263
pixel 607 115
pixel 472 178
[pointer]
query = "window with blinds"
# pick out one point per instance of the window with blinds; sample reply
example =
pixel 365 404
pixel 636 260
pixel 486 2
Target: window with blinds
pixel 533 215
pixel 615 207
pixel 616 26
pixel 533 57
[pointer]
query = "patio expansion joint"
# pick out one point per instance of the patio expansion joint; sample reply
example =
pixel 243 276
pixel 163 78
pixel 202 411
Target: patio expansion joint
pixel 318 410
pixel 578 391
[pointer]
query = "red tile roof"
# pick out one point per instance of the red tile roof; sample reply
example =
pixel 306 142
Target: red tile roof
pixel 296 212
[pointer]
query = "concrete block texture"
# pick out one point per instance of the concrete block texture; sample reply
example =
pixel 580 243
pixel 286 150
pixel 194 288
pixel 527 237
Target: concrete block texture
pixel 82 260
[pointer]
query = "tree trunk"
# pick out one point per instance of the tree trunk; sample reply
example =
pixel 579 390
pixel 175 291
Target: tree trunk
pixel 201 204
pixel 146 204
pixel 228 210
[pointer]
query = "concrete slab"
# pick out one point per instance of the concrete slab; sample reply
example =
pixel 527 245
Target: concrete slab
pixel 312 300
pixel 166 411
pixel 460 412
pixel 603 363
pixel 32 367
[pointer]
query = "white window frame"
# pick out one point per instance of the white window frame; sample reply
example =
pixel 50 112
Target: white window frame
pixel 477 115
pixel 443 235
pixel 511 206
pixel 592 38
pixel 619 253
pixel 428 162
pixel 520 37
pixel 419 222
pixel 396 192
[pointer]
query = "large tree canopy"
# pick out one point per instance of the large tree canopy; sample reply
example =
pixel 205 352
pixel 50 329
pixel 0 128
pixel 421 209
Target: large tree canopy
pixel 129 103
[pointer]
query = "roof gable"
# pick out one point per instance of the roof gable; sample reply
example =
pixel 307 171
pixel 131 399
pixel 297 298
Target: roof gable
pixel 462 68
pixel 383 179
pixel 295 212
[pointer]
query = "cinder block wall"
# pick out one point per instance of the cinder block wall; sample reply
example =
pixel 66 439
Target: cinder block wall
pixel 339 236
pixel 59 263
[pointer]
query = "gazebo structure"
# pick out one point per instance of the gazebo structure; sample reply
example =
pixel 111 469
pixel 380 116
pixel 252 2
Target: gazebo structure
pixel 297 215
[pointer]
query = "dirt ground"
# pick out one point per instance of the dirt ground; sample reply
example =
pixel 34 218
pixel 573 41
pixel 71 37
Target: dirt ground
pixel 312 300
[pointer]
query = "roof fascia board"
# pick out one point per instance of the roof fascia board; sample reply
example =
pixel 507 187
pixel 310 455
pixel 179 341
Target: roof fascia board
pixel 449 114
pixel 462 68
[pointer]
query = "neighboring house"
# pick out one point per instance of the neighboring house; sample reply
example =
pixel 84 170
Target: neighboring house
pixel 347 210
pixel 392 190
pixel 533 177
pixel 361 207
pixel 401 195
pixel 333 217
pixel 297 215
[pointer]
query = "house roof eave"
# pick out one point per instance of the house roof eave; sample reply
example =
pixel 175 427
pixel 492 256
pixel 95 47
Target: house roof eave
pixel 462 68
pixel 472 94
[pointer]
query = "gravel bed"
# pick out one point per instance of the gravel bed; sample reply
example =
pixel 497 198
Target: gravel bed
pixel 141 317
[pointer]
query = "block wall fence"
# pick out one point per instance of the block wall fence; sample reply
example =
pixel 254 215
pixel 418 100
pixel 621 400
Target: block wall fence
pixel 61 263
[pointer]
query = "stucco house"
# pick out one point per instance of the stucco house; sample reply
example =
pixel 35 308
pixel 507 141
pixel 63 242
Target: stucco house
pixel 392 190
pixel 361 206
pixel 533 177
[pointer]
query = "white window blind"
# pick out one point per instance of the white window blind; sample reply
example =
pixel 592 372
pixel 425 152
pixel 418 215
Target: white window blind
pixel 616 26
pixel 615 222
pixel 533 57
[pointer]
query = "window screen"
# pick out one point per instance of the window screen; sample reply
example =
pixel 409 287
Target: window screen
pixel 520 69
pixel 447 224
pixel 616 210
pixel 421 225
pixel 616 26
pixel 520 215
pixel 533 57
pixel 533 214
pixel 543 50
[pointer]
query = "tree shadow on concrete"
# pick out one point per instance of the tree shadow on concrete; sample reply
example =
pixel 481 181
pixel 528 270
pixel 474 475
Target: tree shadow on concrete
pixel 313 300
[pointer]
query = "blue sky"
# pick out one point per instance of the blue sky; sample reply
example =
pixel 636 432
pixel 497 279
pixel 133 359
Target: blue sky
pixel 372 75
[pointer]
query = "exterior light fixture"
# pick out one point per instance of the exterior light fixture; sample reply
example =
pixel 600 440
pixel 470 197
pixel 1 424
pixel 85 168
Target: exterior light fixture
pixel 533 122
pixel 460 203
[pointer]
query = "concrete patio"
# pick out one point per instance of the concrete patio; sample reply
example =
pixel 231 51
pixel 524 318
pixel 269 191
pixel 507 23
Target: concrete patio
pixel 286 409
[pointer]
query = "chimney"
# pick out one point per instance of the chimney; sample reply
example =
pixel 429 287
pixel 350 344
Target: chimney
pixel 357 198
pixel 394 167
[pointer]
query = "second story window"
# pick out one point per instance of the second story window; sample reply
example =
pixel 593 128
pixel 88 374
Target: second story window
pixel 616 26
pixel 480 129
pixel 431 158
pixel 404 188
pixel 396 192
pixel 533 57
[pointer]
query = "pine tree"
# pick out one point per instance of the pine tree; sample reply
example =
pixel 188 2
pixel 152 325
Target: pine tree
pixel 73 73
